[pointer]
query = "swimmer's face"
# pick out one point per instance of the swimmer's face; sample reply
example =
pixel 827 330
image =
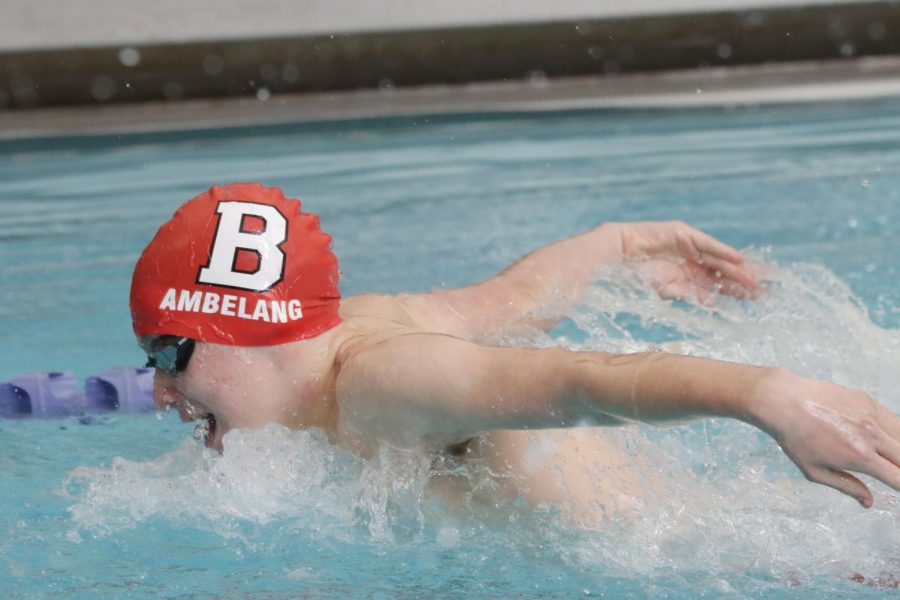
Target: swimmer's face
pixel 227 386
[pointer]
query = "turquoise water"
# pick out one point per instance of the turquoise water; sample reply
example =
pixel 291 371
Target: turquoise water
pixel 122 506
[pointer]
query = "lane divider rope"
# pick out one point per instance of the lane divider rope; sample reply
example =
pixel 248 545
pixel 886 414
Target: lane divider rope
pixel 49 394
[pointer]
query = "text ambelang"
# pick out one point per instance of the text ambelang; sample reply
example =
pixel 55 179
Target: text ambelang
pixel 270 311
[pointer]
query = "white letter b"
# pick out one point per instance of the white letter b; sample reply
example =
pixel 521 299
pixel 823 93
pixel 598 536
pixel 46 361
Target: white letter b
pixel 233 236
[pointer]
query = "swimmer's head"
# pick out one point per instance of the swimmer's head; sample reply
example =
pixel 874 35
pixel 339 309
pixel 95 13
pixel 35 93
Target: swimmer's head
pixel 238 265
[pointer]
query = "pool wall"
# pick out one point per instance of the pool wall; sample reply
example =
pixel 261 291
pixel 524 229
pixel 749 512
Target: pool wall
pixel 120 52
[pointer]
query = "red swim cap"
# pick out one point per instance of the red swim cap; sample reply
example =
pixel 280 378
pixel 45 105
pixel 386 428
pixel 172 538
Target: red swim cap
pixel 238 265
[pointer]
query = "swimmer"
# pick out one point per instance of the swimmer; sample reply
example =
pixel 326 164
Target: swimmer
pixel 236 303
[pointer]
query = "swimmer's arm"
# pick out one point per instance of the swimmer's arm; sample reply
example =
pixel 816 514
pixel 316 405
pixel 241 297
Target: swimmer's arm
pixel 532 293
pixel 424 385
pixel 438 383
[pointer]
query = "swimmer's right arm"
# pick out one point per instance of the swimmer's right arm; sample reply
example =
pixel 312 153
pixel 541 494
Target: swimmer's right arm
pixel 425 384
pixel 680 261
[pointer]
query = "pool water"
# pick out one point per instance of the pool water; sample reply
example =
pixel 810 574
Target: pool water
pixel 130 506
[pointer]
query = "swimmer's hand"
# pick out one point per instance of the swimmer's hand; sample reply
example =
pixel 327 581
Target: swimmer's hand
pixel 684 263
pixel 829 430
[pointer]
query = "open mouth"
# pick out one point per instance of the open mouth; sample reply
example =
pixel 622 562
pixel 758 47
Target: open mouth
pixel 205 429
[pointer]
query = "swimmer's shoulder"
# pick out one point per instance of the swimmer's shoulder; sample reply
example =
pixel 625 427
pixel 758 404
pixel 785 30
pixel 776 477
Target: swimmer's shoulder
pixel 368 305
pixel 369 319
pixel 429 312
pixel 397 310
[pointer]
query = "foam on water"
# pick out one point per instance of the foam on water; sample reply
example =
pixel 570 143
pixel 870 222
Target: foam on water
pixel 268 474
pixel 728 504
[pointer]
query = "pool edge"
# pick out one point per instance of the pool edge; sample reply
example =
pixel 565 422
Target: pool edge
pixel 781 83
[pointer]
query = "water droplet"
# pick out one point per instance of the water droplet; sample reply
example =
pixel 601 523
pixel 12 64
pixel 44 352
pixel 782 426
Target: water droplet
pixel 263 94
pixel 753 20
pixel 853 223
pixel 724 51
pixel 866 183
pixel 130 57
pixel 595 52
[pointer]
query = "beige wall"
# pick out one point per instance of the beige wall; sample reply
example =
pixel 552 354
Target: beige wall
pixel 37 24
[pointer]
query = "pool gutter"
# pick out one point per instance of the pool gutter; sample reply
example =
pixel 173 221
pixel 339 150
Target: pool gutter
pixel 733 34
pixel 746 86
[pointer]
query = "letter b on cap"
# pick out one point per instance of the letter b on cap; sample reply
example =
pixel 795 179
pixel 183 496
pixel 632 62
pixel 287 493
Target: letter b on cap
pixel 230 237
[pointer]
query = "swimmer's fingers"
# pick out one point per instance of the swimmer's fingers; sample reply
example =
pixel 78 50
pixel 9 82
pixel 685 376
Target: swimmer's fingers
pixel 882 465
pixel 733 279
pixel 842 482
pixel 886 472
pixel 707 279
pixel 688 280
pixel 694 245
pixel 723 265
pixel 889 448
pixel 827 430
pixel 712 247
pixel 673 281
pixel 890 424
pixel 883 432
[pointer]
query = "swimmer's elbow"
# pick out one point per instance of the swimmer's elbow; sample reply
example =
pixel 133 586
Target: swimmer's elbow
pixel 551 388
pixel 596 384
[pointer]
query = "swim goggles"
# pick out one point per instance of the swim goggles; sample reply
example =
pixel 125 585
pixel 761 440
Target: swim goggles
pixel 172 357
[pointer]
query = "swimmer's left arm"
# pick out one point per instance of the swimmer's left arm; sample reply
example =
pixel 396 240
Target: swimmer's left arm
pixel 426 384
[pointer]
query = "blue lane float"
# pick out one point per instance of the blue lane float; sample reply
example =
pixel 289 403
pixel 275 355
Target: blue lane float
pixel 49 394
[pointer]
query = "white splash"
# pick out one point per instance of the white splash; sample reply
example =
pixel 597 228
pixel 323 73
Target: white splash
pixel 264 475
pixel 733 503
